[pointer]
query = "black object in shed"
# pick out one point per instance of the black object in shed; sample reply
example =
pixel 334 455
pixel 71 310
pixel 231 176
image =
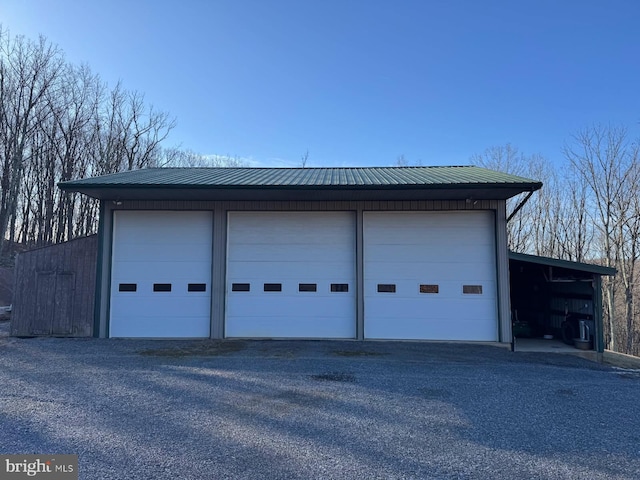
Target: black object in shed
pixel 551 296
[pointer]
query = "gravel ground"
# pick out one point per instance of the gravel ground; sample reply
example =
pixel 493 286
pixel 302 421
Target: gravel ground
pixel 305 410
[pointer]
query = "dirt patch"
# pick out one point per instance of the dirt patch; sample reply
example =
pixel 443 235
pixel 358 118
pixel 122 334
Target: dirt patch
pixel 358 353
pixel 208 349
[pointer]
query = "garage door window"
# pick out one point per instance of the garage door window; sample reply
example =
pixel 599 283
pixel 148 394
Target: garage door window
pixel 127 287
pixel 240 287
pixel 307 287
pixel 197 287
pixel 472 289
pixel 429 288
pixel 272 287
pixel 339 287
pixel 386 288
pixel 161 287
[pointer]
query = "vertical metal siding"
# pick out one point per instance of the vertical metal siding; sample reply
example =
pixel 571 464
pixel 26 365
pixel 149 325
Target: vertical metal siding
pixel 105 272
pixel 359 275
pixel 218 272
pixel 502 267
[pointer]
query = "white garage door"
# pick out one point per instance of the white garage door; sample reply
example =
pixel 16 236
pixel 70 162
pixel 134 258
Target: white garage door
pixel 161 274
pixel 430 275
pixel 291 274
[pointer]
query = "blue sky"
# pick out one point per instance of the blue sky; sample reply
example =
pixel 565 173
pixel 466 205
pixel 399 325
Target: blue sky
pixel 359 82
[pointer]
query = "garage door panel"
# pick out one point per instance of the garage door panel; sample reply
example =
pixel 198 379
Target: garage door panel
pixel 443 254
pixel 295 236
pixel 161 247
pixel 169 305
pixel 301 307
pixel 409 221
pixel 250 224
pixel 132 227
pixel 282 253
pixel 443 249
pixel 143 252
pixel 436 272
pixel 171 327
pixel 291 248
pixel 420 238
pixel 289 327
pixel 416 328
pixel 162 271
pixel 455 308
pixel 289 280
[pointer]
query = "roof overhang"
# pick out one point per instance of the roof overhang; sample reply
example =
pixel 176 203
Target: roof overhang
pixel 331 183
pixel 332 193
pixel 566 265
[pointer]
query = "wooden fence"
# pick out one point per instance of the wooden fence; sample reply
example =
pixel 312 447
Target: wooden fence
pixel 54 290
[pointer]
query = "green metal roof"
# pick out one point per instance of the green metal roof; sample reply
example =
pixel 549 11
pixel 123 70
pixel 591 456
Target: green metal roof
pixel 317 179
pixel 556 262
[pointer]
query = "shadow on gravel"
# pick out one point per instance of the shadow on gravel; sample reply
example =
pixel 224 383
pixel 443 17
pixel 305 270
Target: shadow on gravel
pixel 307 409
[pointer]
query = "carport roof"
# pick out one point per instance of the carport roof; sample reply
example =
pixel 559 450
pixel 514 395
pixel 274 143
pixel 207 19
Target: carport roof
pixel 353 183
pixel 566 264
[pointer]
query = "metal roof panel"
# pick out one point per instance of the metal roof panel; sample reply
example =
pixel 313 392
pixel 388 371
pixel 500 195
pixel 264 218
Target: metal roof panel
pixel 305 177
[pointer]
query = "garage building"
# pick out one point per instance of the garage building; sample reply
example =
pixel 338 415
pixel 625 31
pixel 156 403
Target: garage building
pixel 354 253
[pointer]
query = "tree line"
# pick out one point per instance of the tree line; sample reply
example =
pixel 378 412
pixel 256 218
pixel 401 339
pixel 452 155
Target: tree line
pixel 587 211
pixel 60 121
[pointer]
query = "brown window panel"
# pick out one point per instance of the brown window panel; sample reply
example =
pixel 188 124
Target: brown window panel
pixel 472 289
pixel 428 288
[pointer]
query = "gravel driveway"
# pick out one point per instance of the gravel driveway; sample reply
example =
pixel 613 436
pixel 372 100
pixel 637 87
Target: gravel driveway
pixel 308 409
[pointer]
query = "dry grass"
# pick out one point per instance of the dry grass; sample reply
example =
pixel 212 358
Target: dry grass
pixel 357 353
pixel 621 360
pixel 200 349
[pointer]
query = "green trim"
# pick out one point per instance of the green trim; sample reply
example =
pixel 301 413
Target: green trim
pixel 496 263
pixel 109 265
pixel 597 317
pixel 98 294
pixel 556 262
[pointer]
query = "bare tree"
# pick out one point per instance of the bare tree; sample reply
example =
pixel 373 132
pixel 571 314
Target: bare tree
pixel 28 72
pixel 304 159
pixel 59 122
pixel 532 229
pixel 176 157
pixel 608 164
